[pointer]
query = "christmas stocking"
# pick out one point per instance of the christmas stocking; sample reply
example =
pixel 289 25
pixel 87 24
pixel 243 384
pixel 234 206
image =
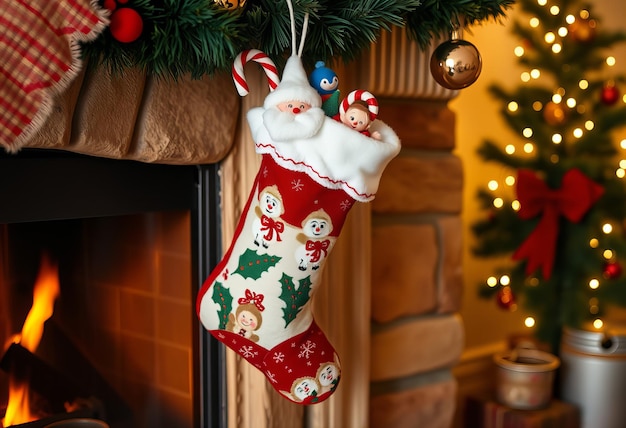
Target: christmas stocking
pixel 257 301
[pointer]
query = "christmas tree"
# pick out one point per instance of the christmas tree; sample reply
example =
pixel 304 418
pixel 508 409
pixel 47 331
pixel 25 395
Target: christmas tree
pixel 560 210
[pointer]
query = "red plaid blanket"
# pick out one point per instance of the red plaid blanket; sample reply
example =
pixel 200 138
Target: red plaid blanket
pixel 39 54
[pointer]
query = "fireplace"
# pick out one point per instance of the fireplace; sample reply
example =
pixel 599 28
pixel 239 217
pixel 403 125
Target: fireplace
pixel 133 243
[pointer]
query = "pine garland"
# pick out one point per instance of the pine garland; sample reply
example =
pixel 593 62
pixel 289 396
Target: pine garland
pixel 200 37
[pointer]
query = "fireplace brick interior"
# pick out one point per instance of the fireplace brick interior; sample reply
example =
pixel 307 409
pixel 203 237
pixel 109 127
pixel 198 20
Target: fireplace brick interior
pixel 126 302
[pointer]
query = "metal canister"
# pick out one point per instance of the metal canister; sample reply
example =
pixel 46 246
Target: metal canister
pixel 593 375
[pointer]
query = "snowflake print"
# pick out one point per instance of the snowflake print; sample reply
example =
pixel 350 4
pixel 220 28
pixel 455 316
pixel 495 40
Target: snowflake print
pixel 265 171
pixel 306 349
pixel 297 185
pixel 271 376
pixel 220 335
pixel 345 205
pixel 279 357
pixel 247 352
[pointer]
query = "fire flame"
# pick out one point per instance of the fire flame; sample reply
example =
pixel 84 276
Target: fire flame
pixel 45 292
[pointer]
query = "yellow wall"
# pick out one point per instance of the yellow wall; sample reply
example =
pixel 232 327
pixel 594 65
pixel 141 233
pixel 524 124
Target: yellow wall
pixel 478 118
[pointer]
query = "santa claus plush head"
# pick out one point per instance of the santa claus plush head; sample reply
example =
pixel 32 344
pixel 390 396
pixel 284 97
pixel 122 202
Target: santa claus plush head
pixel 294 86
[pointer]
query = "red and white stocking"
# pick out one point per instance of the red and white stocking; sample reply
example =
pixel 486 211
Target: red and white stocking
pixel 258 299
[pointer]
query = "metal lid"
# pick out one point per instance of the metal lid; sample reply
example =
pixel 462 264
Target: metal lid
pixel 606 341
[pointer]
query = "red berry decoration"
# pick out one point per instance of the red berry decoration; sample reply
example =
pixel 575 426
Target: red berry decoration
pixel 612 270
pixel 609 94
pixel 126 25
pixel 110 5
pixel 505 298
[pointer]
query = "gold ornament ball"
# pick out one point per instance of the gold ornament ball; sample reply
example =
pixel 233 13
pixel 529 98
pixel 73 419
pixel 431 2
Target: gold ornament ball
pixel 230 4
pixel 554 114
pixel 583 30
pixel 455 64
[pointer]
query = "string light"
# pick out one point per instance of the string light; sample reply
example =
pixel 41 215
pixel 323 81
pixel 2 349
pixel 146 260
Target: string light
pixel 562 31
pixel 589 125
pixel 529 148
pixel 513 106
pixel 607 254
pixel 534 22
pixel 492 185
pixel 610 61
pixel 620 173
pixel 525 77
pixel 509 180
pixel 622 143
pixel 529 322
pixel 509 149
pixel 607 228
pixel 527 132
pixel 535 73
pixel 577 133
pixel 593 242
pixel 598 324
pixel 557 138
pixel 498 203
pixel 505 280
pixel 571 102
pixel 556 48
pixel 518 51
pixel 594 284
pixel 492 281
pixel 537 106
pixel 516 205
pixel 583 84
pixel 554 10
pixel 549 37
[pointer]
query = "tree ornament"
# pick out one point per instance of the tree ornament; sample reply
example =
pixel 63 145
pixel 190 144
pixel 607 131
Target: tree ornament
pixel 583 30
pixel 456 63
pixel 505 298
pixel 231 4
pixel 609 94
pixel 554 114
pixel 126 25
pixel 612 270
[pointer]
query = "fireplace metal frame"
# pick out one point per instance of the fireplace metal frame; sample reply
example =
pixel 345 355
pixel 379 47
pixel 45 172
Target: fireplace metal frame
pixel 41 185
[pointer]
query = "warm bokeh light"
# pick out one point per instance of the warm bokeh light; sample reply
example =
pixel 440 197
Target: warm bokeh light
pixel 607 228
pixel 505 280
pixel 529 322
pixel 607 254
pixel 492 185
pixel 593 242
pixel 527 132
pixel 598 323
pixel 594 284
pixel 492 281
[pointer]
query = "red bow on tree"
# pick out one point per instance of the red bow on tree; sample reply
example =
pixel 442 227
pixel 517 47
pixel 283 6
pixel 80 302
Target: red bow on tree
pixel 252 298
pixel 576 195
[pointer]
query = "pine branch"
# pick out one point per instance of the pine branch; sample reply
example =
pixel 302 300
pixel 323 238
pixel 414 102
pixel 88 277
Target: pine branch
pixel 201 38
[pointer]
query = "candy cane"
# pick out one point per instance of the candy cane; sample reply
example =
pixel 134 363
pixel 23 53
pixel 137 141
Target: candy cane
pixel 263 60
pixel 360 95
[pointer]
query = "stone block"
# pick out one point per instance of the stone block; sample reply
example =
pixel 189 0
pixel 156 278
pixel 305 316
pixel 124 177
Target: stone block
pixel 451 281
pixel 418 345
pixel 404 269
pixel 431 405
pixel 420 125
pixel 415 184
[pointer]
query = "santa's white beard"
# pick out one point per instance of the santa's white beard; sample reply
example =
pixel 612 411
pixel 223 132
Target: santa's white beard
pixel 286 126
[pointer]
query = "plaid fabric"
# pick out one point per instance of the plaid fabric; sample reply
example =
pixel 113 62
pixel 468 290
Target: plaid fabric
pixel 38 55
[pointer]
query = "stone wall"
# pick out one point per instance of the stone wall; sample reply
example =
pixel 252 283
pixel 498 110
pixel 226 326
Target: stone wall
pixel 417 336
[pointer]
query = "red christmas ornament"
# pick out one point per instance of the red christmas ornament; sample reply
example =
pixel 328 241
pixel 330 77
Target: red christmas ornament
pixel 612 270
pixel 505 298
pixel 126 25
pixel 609 94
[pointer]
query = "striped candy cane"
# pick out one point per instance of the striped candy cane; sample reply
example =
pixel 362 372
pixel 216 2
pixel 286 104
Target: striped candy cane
pixel 360 95
pixel 260 58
